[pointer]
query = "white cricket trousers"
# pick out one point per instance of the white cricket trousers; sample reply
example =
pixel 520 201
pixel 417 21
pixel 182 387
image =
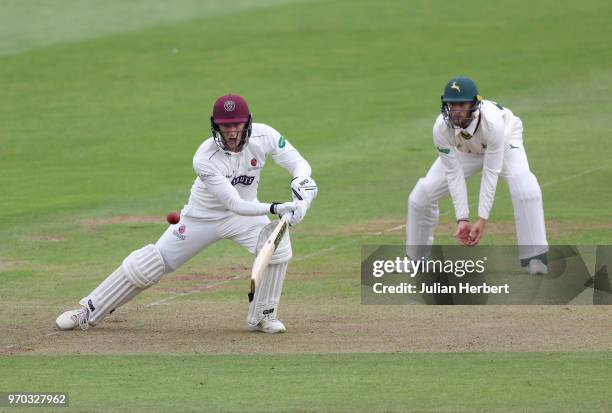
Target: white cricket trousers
pixel 191 235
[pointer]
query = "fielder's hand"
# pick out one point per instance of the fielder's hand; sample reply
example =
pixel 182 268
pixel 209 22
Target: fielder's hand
pixel 462 235
pixel 476 232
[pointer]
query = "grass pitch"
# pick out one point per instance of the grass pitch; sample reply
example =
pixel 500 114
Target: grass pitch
pixel 103 106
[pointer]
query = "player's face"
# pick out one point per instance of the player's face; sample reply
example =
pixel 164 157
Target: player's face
pixel 232 132
pixel 460 113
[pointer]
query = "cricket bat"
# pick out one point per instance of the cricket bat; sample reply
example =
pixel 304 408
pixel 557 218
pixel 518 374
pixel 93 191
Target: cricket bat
pixel 267 250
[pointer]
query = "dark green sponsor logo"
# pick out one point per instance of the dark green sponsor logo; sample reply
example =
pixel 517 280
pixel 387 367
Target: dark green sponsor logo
pixel 281 142
pixel 443 150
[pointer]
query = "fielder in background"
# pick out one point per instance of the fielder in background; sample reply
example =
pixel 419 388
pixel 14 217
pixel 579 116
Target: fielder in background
pixel 476 135
pixel 223 205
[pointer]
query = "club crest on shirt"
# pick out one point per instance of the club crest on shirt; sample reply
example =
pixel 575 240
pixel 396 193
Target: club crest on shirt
pixel 180 233
pixel 254 165
pixel 243 180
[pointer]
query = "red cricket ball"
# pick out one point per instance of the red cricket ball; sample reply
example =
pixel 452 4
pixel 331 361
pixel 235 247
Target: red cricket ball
pixel 173 217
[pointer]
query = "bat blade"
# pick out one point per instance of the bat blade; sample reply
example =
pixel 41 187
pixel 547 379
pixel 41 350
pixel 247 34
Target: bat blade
pixel 265 254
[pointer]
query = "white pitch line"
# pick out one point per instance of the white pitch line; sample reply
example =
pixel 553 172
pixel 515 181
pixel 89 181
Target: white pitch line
pixel 197 290
pixel 569 178
pixel 328 249
pixel 27 342
pixel 352 241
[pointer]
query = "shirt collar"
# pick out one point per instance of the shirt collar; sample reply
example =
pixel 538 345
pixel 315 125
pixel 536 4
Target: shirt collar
pixel 232 154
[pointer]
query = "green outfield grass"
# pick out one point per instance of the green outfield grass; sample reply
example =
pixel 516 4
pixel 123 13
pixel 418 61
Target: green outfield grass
pixel 440 382
pixel 104 104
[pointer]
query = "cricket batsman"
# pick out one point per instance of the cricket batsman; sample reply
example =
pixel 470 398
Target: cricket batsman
pixel 223 205
pixel 472 135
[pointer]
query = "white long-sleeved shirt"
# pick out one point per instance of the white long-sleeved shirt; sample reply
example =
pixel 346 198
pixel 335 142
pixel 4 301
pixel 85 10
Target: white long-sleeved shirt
pixel 227 182
pixel 486 136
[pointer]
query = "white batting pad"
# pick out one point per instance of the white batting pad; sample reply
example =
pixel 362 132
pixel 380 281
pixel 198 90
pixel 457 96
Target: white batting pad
pixel 144 267
pixel 140 270
pixel 267 294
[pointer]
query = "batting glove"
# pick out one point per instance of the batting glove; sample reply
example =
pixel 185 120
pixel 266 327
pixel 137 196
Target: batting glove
pixel 304 188
pixel 282 209
pixel 298 214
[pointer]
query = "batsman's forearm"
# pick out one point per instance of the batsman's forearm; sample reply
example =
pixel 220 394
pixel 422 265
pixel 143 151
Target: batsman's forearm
pixel 301 168
pixel 248 208
pixel 294 163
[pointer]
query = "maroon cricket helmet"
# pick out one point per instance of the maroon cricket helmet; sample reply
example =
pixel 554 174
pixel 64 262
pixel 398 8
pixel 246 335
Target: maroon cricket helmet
pixel 230 109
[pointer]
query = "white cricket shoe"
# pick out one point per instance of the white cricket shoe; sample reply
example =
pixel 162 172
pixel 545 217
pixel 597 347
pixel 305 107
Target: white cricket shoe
pixel 270 326
pixel 537 267
pixel 73 319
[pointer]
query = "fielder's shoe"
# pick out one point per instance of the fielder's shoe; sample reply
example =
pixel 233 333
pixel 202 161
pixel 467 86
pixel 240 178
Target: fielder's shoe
pixel 537 267
pixel 73 319
pixel 270 326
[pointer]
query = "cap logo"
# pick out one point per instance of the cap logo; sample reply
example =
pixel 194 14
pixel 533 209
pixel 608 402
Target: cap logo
pixel 229 105
pixel 456 87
